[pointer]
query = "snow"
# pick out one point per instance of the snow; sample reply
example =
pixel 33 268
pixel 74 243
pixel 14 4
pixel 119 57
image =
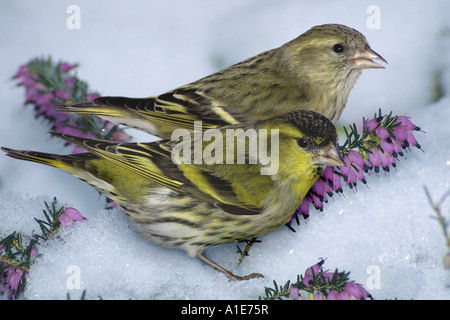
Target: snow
pixel 384 233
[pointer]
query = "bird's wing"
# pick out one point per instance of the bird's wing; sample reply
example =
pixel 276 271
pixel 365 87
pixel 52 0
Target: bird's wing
pixel 153 161
pixel 160 115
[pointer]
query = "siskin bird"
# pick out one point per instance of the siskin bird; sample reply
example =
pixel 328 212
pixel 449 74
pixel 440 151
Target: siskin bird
pixel 192 205
pixel 315 71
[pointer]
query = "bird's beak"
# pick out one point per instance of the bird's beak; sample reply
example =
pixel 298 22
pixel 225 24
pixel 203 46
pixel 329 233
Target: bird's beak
pixel 362 59
pixel 330 156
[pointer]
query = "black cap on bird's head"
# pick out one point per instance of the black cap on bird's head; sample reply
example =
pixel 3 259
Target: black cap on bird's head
pixel 310 126
pixel 313 124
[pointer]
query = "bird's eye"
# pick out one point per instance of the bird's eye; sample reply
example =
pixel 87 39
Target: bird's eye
pixel 302 143
pixel 338 48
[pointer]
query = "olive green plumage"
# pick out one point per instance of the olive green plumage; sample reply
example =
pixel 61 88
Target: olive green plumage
pixel 315 71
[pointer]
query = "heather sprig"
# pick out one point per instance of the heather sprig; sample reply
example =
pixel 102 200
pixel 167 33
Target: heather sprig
pixel 48 84
pixel 17 251
pixel 318 284
pixel 374 147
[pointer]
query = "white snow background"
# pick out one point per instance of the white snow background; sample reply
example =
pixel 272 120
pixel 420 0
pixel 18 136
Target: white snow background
pixel 140 48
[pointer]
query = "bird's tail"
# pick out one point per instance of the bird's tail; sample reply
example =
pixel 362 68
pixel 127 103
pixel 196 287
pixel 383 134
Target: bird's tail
pixel 132 112
pixel 88 167
pixel 66 163
pixel 104 106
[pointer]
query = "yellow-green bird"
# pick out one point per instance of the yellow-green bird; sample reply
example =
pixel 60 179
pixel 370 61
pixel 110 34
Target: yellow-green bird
pixel 178 200
pixel 315 71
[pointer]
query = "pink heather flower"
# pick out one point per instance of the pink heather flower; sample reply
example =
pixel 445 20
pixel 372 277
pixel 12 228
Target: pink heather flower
pixel 33 253
pixel 351 178
pixel 411 139
pixel 318 296
pixel 333 179
pixel 60 121
pixel 62 95
pixel 344 295
pixel 317 202
pixel 71 129
pixel 69 82
pixel 47 110
pixel 337 186
pixel 328 173
pixel 303 209
pixel 293 291
pixel 382 133
pixel 392 161
pixel 22 72
pixel 356 166
pixel 307 280
pixel 407 123
pixel 385 159
pixel 345 169
pixel 29 80
pixel 91 96
pixel 371 125
pixel 33 92
pixel 356 290
pixel 318 187
pixel 356 158
pixel 44 98
pixel 398 151
pixel 310 272
pixel 321 188
pixel 65 67
pixel 352 172
pixel 69 215
pixel 374 157
pixel 358 174
pixel 14 276
pixel 3 286
pixel 386 146
pixel 329 275
pixel 401 133
pixel 333 295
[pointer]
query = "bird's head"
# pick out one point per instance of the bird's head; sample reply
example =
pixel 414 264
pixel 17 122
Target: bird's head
pixel 330 53
pixel 307 144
